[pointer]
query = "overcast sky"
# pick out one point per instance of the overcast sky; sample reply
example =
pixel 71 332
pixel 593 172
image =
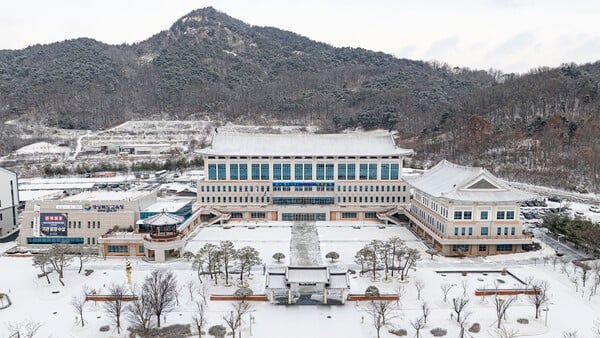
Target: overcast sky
pixel 511 35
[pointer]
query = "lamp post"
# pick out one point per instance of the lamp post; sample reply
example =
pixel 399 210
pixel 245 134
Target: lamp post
pixel 546 319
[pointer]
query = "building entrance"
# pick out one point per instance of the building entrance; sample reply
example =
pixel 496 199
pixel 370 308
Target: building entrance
pixel 303 217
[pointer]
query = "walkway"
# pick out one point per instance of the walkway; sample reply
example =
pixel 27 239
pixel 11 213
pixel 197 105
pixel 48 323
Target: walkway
pixel 304 245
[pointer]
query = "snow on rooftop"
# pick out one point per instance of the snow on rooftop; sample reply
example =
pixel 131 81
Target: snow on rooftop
pixel 107 196
pixel 462 183
pixel 307 275
pixel 39 180
pixel 167 206
pixel 305 144
pixel 41 148
pixel 30 195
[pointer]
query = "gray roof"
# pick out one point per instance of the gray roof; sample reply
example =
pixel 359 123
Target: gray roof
pixel 163 219
pixel 450 181
pixel 350 144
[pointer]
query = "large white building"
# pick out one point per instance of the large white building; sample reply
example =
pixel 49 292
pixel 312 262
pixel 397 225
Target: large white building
pixel 353 176
pixel 467 211
pixel 9 201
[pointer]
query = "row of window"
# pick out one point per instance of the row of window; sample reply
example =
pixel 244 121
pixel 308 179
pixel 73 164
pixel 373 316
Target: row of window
pixel 483 231
pixel 303 171
pixel 428 219
pixel 483 215
pixel 340 188
pixel 235 199
pixel 302 200
pixel 371 199
pixel 481 247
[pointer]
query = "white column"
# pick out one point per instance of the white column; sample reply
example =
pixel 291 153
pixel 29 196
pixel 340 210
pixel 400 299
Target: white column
pixel 324 295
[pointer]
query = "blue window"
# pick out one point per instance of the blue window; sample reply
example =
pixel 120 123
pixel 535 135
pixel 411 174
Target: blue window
pixel 510 215
pixel 484 231
pixel 470 231
pixel 308 171
pixel 372 171
pixel 277 171
pixel 222 171
pixel 455 231
pixel 385 171
pixel 483 215
pixel 458 215
pixel 370 215
pixel 500 215
pixel 329 171
pixel 341 171
pixel 52 240
pixel 320 171
pixel 118 249
pixel 233 172
pixel 394 171
pixel 462 231
pixel 257 215
pixel 264 171
pixel 467 215
pixel 460 247
pixel 504 247
pixel 243 171
pixel 505 231
pixel 212 171
pixel 499 232
pixel 351 171
pixel 141 249
pixel 512 231
pixel 348 215
pixel 364 171
pixel 482 247
pixel 255 171
pixel 297 171
pixel 286 172
pixel 236 215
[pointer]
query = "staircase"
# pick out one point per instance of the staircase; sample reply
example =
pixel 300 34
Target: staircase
pixel 388 216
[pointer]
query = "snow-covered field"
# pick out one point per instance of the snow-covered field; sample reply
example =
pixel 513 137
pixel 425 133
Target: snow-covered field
pixel 33 298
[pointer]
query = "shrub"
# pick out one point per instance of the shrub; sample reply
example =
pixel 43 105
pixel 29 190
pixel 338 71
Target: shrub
pixel 372 291
pixel 217 331
pixel 438 332
pixel 475 328
pixel 104 328
pixel 398 332
pixel 523 321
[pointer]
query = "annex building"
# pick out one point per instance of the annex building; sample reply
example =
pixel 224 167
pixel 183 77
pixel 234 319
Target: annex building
pixel 312 177
pixel 467 211
pixel 130 223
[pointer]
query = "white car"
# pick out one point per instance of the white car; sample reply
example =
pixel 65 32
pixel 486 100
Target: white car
pixel 595 208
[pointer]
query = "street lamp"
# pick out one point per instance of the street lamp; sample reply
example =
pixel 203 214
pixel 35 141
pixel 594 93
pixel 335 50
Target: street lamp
pixel 546 310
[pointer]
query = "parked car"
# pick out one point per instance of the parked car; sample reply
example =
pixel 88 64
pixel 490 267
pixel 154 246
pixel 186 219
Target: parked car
pixel 595 208
pixel 579 213
pixel 554 199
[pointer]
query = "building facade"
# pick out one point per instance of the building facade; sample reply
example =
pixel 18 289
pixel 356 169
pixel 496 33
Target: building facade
pixel 9 201
pixel 82 218
pixel 467 211
pixel 302 176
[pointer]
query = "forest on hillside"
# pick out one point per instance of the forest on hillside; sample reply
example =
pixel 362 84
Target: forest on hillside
pixel 539 127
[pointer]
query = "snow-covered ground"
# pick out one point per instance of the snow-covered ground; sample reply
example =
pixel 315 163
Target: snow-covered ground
pixel 34 299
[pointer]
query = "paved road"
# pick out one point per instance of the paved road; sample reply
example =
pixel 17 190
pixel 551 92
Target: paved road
pixel 569 252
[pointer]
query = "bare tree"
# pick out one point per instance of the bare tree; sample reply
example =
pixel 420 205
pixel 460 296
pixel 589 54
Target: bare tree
pixel 540 295
pixel 234 319
pixel 596 329
pixel 426 309
pixel 59 259
pixel 575 280
pixel 554 260
pixel 82 253
pixel 585 275
pixel 26 329
pixel 362 258
pixel 227 253
pixel 160 288
pixel 204 292
pixel 504 332
pixel 198 264
pixel 465 285
pixel 401 291
pixel 42 261
pixel 380 311
pixel 139 311
pixel 463 324
pixel 395 244
pixel 191 287
pixel 459 305
pixel 78 305
pixel 431 252
pixel 114 307
pixel 199 318
pixel 418 324
pixel 446 287
pixel 419 285
pixel 501 305
pixel 570 334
